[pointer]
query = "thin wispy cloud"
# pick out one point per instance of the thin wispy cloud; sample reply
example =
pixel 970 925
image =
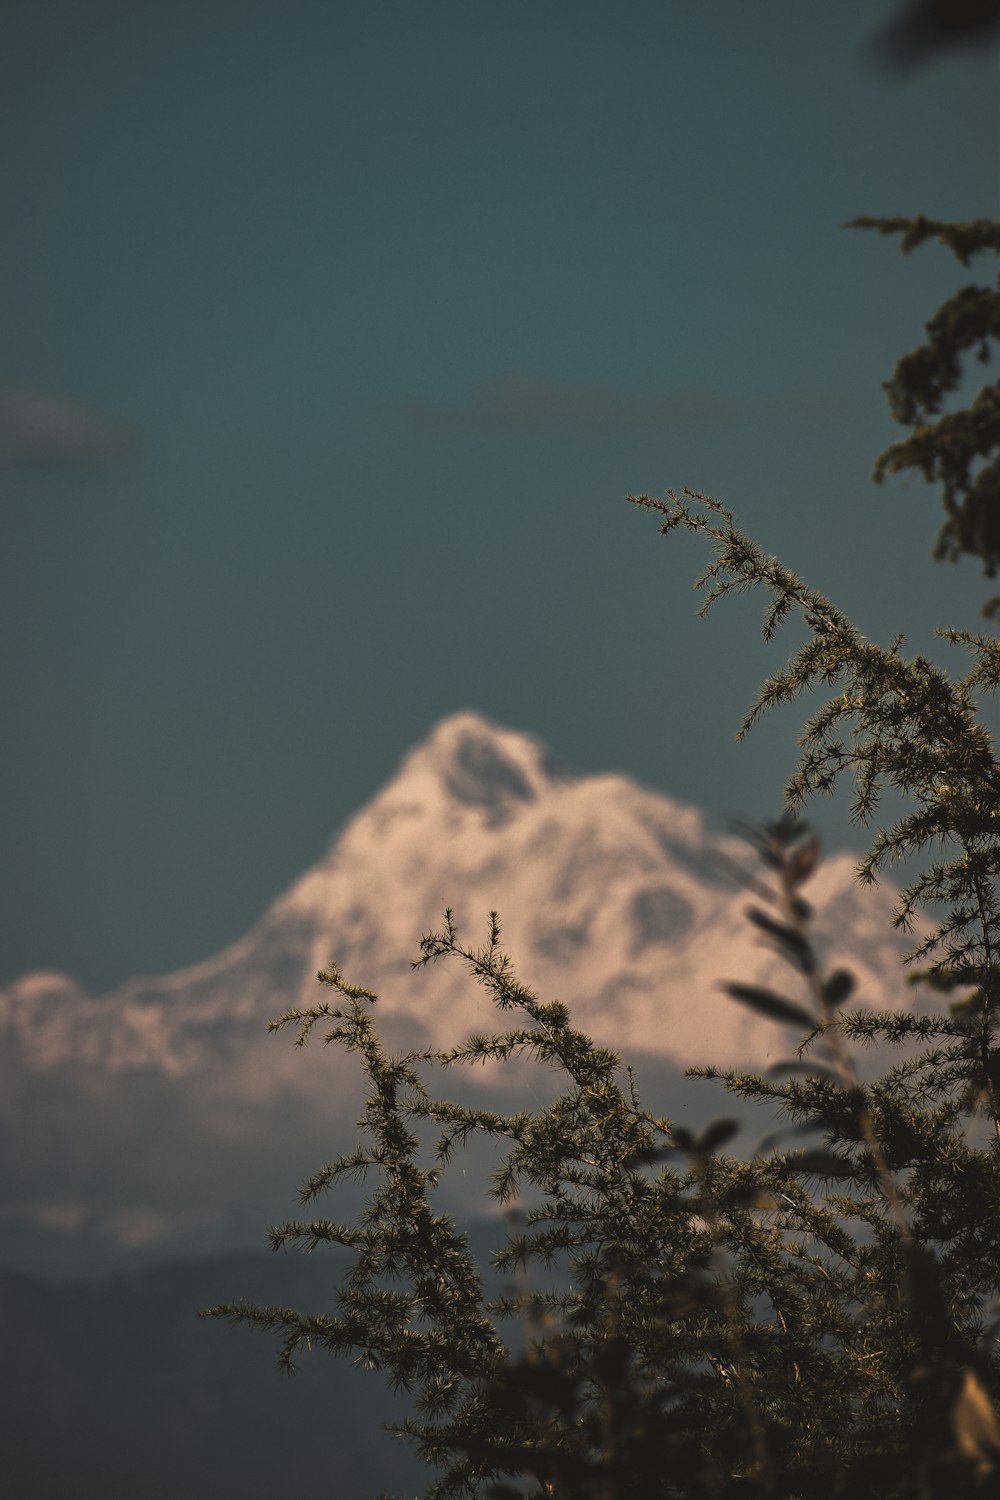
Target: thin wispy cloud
pixel 41 430
pixel 528 403
pixel 532 404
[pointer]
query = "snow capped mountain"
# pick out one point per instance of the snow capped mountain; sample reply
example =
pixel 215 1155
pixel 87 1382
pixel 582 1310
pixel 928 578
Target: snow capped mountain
pixel 613 898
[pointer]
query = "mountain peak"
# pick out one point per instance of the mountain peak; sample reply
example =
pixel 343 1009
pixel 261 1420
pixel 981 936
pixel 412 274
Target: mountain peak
pixel 478 764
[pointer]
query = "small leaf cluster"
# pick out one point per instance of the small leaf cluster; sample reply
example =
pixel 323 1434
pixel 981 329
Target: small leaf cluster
pixel 958 449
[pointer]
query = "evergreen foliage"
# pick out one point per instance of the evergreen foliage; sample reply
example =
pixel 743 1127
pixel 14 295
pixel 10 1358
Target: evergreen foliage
pixel 959 449
pixel 817 1317
pixel 815 1321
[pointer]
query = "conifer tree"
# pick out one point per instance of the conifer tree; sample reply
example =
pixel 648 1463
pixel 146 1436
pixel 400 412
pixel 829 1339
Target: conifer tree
pixel 816 1317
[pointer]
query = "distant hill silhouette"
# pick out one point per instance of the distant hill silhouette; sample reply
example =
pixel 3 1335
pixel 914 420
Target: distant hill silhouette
pixel 115 1390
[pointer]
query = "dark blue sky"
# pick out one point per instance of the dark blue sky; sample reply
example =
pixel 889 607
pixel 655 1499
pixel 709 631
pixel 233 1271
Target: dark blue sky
pixel 333 335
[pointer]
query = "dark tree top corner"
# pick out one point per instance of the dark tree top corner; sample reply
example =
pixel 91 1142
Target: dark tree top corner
pixel 958 448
